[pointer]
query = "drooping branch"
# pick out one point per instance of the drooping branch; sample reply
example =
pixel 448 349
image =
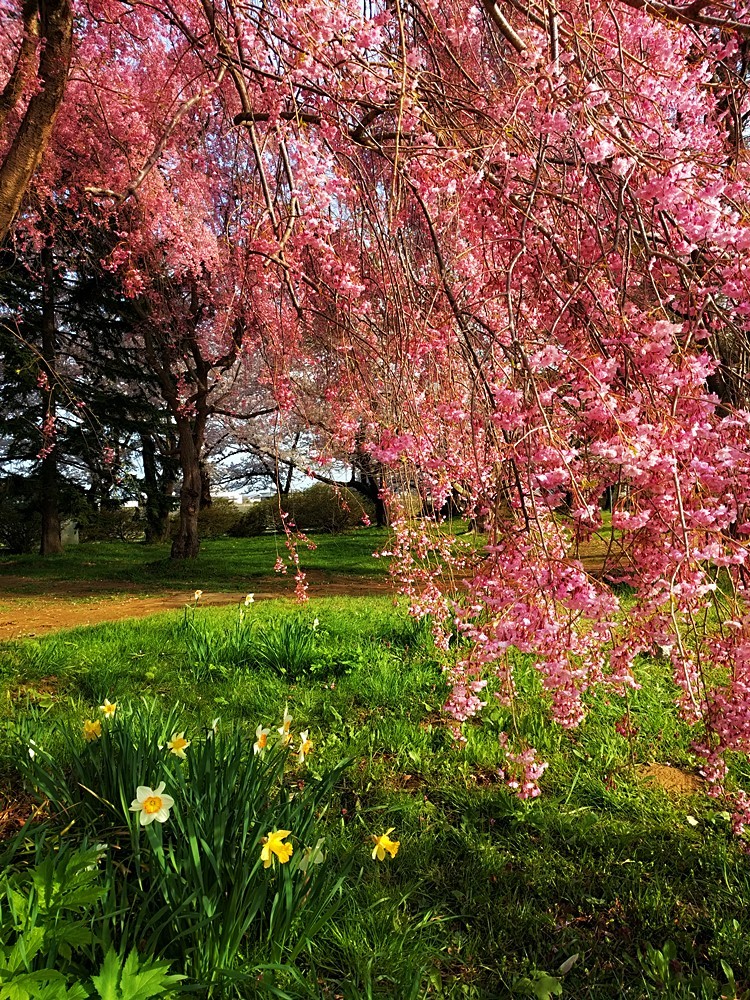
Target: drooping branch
pixel 359 134
pixel 504 26
pixel 690 14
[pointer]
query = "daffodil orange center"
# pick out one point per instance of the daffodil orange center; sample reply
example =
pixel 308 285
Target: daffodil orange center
pixel 152 804
pixel 262 740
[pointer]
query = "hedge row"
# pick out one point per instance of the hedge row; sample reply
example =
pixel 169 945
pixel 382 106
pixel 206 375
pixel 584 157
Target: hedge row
pixel 320 508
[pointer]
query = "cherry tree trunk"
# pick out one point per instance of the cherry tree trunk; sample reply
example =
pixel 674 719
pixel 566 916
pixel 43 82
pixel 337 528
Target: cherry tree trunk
pixel 206 499
pixel 51 543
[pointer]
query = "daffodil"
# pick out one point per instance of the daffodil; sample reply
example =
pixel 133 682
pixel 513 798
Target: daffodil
pixel 152 804
pixel 272 844
pixel 261 741
pixel 109 708
pixel 249 599
pixel 383 844
pixel 285 728
pixel 92 730
pixel 312 856
pixel 197 595
pixel 305 746
pixel 178 745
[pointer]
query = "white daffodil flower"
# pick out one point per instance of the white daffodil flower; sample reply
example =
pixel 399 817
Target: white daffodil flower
pixel 261 739
pixel 152 804
pixel 285 729
pixel 312 856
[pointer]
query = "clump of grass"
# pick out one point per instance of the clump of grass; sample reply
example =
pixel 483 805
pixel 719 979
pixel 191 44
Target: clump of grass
pixel 286 647
pixel 197 888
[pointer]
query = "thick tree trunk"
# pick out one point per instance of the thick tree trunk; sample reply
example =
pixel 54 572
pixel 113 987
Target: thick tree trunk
pixel 370 486
pixel 187 541
pixel 30 141
pixel 158 492
pixel 370 483
pixel 51 543
pixel 206 500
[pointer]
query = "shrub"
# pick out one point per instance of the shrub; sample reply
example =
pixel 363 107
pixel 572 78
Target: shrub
pixel 111 524
pixel 324 508
pixel 320 508
pixel 258 518
pixel 20 525
pixel 219 518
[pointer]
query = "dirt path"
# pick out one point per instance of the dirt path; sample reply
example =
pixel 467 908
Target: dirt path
pixel 83 604
pixel 24 612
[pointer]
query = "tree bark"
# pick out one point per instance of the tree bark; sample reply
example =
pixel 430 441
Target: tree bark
pixel 187 542
pixel 158 492
pixel 25 61
pixel 206 499
pixel 370 483
pixel 51 543
pixel 31 139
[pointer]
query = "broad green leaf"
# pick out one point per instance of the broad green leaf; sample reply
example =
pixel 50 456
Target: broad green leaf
pixel 107 981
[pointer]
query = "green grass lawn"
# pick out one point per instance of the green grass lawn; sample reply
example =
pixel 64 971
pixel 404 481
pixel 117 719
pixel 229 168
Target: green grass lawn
pixel 223 564
pixel 486 892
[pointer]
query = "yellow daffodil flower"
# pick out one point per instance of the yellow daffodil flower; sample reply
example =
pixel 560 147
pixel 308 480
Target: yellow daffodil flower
pixel 285 728
pixel 305 746
pixel 109 708
pixel 383 844
pixel 262 739
pixel 197 595
pixel 312 856
pixel 249 599
pixel 178 745
pixel 272 844
pixel 152 804
pixel 92 730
